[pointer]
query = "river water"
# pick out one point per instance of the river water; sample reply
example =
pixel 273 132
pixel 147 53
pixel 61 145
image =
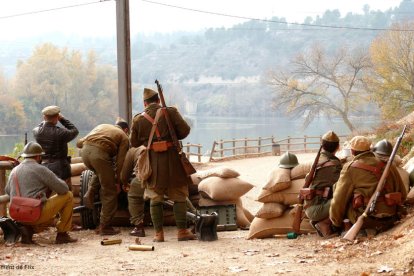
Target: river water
pixel 206 129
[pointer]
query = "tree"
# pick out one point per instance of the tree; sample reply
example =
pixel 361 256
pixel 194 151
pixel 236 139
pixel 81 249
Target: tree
pixel 391 83
pixel 320 84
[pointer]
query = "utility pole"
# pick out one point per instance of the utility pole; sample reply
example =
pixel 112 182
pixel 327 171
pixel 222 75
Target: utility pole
pixel 124 60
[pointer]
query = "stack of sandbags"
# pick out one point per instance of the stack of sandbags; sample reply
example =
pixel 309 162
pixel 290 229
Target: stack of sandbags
pixel 221 186
pixel 278 195
pixel 76 170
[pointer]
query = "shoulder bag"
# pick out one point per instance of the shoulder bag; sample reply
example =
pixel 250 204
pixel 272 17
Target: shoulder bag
pixel 24 209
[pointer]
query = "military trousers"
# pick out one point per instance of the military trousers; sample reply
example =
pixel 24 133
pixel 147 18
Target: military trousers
pixel 100 162
pixel 57 204
pixel 319 211
pixel 136 202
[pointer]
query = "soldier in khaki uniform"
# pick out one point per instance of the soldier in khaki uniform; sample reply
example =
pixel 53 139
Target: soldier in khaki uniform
pixel 326 174
pixel 105 146
pixel 356 185
pixel 135 192
pixel 168 176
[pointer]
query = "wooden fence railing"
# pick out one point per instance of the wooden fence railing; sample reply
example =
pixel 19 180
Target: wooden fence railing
pixel 187 149
pixel 247 147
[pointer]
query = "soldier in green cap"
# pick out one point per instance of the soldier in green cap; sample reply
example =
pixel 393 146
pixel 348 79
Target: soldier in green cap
pixel 357 183
pixel 168 176
pixel 318 198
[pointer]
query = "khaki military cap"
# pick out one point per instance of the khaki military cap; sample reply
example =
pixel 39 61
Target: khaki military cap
pixel 330 136
pixel 51 110
pixel 148 93
pixel 360 143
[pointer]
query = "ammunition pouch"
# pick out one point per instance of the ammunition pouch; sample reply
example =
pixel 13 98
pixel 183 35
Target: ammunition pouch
pixel 358 201
pixel 392 199
pixel 309 193
pixel 160 146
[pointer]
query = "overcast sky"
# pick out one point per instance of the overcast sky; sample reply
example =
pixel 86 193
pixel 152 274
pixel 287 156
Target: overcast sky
pixel 98 18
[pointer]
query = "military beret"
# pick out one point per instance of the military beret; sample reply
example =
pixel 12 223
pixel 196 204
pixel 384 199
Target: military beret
pixel 360 143
pixel 330 136
pixel 148 93
pixel 51 110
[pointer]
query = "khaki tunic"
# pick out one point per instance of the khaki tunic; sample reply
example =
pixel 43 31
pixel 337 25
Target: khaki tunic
pixel 359 181
pixel 318 208
pixel 167 171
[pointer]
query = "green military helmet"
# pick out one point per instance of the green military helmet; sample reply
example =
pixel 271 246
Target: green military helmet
pixel 383 148
pixel 32 149
pixel 288 160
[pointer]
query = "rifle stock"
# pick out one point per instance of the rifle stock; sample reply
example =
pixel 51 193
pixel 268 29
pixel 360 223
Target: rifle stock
pixel 297 220
pixel 353 232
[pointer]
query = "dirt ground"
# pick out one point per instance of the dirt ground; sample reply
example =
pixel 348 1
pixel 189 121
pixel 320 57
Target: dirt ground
pixel 390 253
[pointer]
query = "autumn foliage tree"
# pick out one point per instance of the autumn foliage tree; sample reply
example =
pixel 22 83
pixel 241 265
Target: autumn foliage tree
pixel 85 91
pixel 391 83
pixel 319 83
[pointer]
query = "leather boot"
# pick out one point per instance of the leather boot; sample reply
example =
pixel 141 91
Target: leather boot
pixel 138 231
pixel 27 234
pixel 106 230
pixel 159 236
pixel 324 228
pixel 63 237
pixel 89 198
pixel 185 235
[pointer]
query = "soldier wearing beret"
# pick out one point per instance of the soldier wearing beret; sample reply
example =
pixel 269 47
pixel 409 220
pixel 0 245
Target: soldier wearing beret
pixel 318 199
pixel 356 185
pixel 168 176
pixel 54 140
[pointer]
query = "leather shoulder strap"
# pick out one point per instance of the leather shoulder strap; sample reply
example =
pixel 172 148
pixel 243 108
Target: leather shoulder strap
pixel 376 170
pixel 154 126
pixel 151 120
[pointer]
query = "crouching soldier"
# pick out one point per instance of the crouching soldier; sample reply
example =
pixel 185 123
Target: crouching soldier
pixel 356 185
pixel 318 196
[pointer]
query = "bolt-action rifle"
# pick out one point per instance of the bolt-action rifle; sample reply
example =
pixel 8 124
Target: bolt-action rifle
pixel 188 167
pixel 298 215
pixel 353 232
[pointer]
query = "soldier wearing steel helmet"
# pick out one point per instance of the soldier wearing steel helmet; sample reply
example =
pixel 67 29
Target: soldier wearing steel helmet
pixel 37 181
pixel 288 161
pixel 356 185
pixel 319 195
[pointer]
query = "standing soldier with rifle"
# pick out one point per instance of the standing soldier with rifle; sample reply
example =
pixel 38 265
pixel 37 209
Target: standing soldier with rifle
pixel 168 174
pixel 319 194
pixel 364 181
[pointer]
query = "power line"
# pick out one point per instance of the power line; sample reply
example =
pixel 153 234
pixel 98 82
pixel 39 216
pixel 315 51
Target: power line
pixel 51 9
pixel 275 21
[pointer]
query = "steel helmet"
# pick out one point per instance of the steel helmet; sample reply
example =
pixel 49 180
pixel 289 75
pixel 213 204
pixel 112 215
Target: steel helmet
pixel 32 149
pixel 383 147
pixel 288 160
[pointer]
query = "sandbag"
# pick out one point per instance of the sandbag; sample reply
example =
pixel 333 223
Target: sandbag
pixel 77 168
pixel 265 228
pixel 300 171
pixel 248 215
pixel 405 177
pixel 278 179
pixel 222 172
pixel 241 220
pixel 75 160
pixel 287 197
pixel 410 197
pixel 223 189
pixel 271 210
pixel 195 179
pixel 206 202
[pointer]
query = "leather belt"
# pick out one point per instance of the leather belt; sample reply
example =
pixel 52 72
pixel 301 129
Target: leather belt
pixel 169 145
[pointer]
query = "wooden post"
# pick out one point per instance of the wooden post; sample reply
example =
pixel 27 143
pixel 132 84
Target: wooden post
pixel 245 146
pixel 304 141
pixel 188 150
pixel 234 145
pixel 259 144
pixel 213 148
pixel 199 153
pixel 288 143
pixel 4 165
pixel 221 148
